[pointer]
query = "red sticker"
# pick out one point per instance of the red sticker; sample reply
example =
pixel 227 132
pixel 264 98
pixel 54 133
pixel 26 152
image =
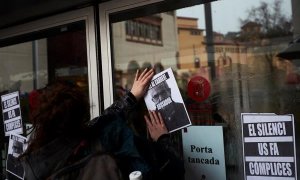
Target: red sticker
pixel 198 88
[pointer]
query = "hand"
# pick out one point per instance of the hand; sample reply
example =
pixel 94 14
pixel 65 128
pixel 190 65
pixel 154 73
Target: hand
pixel 155 125
pixel 141 83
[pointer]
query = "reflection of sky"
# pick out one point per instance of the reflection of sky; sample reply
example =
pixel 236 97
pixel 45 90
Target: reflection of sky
pixel 227 13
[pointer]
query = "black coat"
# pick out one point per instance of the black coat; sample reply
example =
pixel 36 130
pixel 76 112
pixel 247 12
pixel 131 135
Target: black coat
pixel 110 129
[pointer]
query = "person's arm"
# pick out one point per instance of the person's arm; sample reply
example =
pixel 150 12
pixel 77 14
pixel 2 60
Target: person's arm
pixel 138 90
pixel 170 164
pixel 129 100
pixel 160 135
pixel 155 125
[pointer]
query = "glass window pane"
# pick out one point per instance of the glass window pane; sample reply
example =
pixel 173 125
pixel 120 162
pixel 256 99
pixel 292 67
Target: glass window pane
pixel 233 45
pixel 25 67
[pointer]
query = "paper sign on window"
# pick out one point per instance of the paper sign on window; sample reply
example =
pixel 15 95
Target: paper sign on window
pixel 11 112
pixel 269 146
pixel 203 150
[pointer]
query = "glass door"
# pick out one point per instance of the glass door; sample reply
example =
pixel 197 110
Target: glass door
pixel 228 44
pixel 30 61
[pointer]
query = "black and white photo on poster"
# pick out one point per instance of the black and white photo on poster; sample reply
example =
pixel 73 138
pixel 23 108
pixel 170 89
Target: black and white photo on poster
pixel 164 96
pixel 269 146
pixel 11 112
pixel 16 146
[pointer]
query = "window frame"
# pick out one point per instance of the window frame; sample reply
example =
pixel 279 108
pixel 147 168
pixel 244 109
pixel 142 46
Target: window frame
pixel 105 10
pixel 86 14
pixel 113 7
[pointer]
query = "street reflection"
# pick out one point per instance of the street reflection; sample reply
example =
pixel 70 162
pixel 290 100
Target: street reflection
pixel 244 74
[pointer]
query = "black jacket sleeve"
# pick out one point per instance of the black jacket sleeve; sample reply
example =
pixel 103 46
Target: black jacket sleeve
pixel 118 109
pixel 124 105
pixel 171 166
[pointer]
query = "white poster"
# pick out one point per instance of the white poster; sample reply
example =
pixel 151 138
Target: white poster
pixel 17 145
pixel 203 150
pixel 269 146
pixel 11 111
pixel 164 96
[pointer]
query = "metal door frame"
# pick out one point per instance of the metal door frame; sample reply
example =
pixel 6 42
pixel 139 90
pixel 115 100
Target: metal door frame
pixel 105 10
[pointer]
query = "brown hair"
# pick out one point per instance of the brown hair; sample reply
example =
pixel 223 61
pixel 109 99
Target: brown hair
pixel 63 110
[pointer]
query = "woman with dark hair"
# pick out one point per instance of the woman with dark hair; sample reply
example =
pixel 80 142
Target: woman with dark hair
pixel 62 110
pixel 62 128
pixel 63 133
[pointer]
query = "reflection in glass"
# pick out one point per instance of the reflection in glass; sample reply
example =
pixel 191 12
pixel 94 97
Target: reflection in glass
pixel 245 75
pixel 29 66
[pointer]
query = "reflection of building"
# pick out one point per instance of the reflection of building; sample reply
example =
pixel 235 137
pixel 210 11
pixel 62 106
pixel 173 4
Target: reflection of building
pixel 251 27
pixel 238 58
pixel 145 30
pixel 192 47
pixel 251 31
pixel 190 39
pixel 146 39
pixel 144 42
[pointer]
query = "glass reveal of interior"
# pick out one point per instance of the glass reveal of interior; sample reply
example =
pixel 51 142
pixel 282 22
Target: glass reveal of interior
pixel 58 53
pixel 233 45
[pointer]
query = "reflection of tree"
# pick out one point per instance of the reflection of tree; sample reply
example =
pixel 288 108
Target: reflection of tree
pixel 255 75
pixel 265 31
pixel 266 27
pixel 273 23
